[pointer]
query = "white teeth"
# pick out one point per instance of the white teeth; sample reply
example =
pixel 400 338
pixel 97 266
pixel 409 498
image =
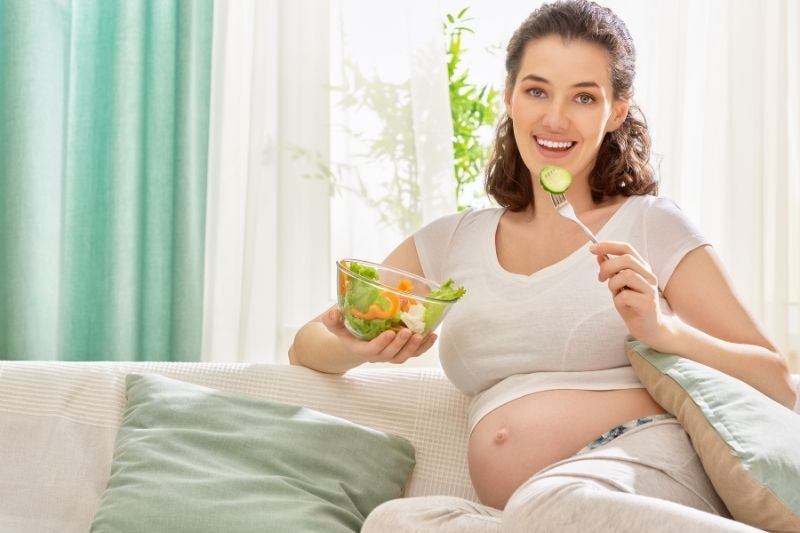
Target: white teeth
pixel 553 144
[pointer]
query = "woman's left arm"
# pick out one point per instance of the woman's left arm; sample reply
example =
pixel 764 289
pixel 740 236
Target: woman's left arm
pixel 710 325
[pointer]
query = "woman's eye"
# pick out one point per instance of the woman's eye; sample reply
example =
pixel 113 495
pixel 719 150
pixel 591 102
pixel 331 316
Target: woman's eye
pixel 537 93
pixel 584 99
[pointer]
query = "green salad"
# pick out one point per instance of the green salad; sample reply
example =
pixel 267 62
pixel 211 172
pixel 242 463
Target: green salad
pixel 369 310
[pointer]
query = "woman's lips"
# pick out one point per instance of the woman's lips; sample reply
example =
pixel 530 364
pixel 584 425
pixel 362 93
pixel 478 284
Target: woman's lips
pixel 551 152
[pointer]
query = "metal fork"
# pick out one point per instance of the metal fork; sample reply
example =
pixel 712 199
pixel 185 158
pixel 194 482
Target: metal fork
pixel 564 209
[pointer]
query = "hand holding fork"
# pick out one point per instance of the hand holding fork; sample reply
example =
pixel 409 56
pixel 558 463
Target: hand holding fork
pixel 555 181
pixel 558 179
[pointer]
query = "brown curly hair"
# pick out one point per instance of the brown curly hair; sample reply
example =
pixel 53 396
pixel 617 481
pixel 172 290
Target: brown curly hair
pixel 623 162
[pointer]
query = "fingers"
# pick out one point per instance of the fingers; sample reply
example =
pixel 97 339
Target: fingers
pixel 633 286
pixel 390 346
pixel 416 346
pixel 627 279
pixel 426 344
pixel 629 300
pixel 333 319
pixel 398 347
pixel 627 274
pixel 611 248
pixel 405 345
pixel 625 258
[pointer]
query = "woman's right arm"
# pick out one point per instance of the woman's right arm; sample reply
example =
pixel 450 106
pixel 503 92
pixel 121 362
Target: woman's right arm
pixel 325 344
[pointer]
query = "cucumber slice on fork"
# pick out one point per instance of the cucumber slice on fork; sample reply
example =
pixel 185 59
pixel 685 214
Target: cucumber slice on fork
pixel 554 179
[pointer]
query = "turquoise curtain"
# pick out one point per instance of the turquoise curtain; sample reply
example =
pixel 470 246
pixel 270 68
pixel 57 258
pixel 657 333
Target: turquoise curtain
pixel 104 114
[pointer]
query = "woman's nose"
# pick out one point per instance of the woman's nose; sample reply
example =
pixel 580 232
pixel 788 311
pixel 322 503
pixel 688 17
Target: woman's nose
pixel 555 117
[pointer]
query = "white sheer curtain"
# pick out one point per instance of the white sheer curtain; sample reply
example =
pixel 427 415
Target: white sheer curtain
pixel 267 228
pixel 278 216
pixel 391 134
pixel 718 82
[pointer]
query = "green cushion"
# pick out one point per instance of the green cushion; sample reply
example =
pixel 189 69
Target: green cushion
pixel 748 443
pixel 190 458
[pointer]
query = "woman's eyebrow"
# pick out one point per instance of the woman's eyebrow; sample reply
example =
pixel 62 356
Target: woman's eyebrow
pixel 539 79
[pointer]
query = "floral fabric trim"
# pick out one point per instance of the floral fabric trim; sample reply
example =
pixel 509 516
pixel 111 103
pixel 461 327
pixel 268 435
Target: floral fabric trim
pixel 613 433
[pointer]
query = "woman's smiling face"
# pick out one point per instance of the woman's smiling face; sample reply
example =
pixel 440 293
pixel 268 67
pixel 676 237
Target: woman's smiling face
pixel 562 104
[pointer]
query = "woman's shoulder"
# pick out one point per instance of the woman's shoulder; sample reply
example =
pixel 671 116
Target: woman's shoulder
pixel 651 201
pixel 663 220
pixel 459 232
pixel 442 233
pixel 651 206
pixel 471 217
pixel 475 213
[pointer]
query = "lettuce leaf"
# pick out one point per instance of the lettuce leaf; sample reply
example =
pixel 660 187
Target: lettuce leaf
pixel 363 270
pixel 433 311
pixel 369 329
pixel 361 295
pixel 447 291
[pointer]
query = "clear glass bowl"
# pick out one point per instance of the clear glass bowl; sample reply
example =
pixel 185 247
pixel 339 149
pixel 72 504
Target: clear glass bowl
pixel 395 300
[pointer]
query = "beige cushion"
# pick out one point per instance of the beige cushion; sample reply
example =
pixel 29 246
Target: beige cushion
pixel 749 444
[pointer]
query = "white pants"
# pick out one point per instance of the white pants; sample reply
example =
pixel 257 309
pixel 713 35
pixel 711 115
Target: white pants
pixel 648 479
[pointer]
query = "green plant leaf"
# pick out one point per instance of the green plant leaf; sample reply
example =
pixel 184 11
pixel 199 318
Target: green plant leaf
pixel 472 107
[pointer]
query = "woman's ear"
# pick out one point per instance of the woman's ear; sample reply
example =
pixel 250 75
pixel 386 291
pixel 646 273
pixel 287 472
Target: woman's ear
pixel 619 112
pixel 507 100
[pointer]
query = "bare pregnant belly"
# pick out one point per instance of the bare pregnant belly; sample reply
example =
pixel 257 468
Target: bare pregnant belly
pixel 518 439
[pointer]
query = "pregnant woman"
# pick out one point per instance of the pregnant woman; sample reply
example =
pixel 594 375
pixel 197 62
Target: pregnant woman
pixel 563 437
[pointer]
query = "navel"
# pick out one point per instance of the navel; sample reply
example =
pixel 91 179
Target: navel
pixel 501 436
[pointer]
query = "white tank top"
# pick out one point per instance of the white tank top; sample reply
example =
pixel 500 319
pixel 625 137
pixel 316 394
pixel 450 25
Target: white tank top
pixel 513 334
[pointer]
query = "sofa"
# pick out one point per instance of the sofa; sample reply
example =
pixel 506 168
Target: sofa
pixel 59 422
